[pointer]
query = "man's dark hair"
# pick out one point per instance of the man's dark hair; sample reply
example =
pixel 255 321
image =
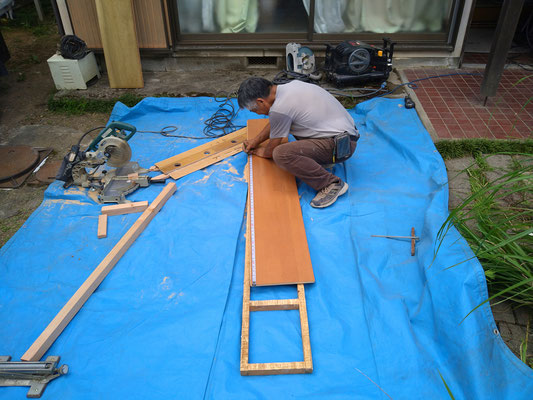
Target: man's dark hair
pixel 251 89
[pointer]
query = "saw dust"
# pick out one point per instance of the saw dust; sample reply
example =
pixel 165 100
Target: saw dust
pixel 204 179
pixel 231 169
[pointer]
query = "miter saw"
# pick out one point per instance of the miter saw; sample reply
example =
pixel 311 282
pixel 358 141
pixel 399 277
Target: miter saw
pixel 90 168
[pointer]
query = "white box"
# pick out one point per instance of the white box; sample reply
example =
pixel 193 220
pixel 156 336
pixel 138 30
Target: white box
pixel 73 74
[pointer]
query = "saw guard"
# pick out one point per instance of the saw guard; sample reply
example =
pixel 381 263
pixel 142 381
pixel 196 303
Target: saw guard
pixel 117 151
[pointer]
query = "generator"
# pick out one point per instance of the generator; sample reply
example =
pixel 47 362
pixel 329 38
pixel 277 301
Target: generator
pixel 355 63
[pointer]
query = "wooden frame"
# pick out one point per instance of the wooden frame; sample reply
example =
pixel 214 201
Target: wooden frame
pixel 69 310
pixel 273 368
pixel 202 156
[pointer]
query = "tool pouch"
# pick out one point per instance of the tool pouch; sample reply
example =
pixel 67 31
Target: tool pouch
pixel 342 150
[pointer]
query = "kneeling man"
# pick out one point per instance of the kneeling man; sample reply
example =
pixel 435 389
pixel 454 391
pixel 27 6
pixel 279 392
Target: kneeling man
pixel 321 125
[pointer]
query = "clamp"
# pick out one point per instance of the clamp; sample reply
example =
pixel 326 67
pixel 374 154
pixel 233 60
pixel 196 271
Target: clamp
pixel 35 374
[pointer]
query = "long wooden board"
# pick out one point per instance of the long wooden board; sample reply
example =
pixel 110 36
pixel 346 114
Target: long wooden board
pixel 281 250
pixel 69 310
pixel 121 52
pixel 202 156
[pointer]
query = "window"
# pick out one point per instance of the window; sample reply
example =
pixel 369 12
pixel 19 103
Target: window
pixel 280 21
pixel 380 16
pixel 242 16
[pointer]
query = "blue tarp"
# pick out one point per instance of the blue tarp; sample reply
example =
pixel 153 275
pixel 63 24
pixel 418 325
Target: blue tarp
pixel 166 321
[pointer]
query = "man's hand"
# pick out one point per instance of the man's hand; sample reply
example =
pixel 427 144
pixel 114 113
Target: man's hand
pixel 248 147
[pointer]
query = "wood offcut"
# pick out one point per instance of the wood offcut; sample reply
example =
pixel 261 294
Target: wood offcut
pixel 204 155
pixel 69 310
pixel 127 208
pixel 102 226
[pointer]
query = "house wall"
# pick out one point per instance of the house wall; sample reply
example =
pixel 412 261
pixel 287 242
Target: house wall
pixel 153 33
pixel 150 23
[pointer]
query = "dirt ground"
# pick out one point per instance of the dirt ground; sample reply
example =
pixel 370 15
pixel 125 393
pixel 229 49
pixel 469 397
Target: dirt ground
pixel 24 92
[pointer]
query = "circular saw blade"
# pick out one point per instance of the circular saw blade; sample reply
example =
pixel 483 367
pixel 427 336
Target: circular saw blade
pixel 117 151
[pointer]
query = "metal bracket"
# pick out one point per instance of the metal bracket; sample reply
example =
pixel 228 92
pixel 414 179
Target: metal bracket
pixel 35 374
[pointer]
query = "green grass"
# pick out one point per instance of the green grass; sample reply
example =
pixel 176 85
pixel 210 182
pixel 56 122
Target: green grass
pixel 8 226
pixel 523 348
pixel 496 220
pixel 473 147
pixel 77 106
pixel 25 17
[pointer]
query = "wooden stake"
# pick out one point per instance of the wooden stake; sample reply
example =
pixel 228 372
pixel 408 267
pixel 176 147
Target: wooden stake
pixel 69 310
pixel 102 226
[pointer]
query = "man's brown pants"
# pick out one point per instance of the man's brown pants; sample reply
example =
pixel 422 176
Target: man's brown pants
pixel 305 158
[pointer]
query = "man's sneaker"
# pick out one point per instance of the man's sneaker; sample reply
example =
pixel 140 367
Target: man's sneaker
pixel 329 194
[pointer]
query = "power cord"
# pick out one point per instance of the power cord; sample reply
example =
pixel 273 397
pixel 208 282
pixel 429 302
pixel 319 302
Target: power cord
pixel 412 84
pixel 286 76
pixel 221 120
pixel 344 92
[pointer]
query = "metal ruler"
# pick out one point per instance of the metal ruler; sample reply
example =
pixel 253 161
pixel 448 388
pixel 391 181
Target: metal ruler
pixel 252 222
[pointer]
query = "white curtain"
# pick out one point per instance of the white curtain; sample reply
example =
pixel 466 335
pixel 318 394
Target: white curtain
pixel 379 16
pixel 231 16
pixel 237 15
pixel 328 15
pixel 196 16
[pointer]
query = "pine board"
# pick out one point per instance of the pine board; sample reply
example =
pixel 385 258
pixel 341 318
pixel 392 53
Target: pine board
pixel 204 155
pixel 70 309
pixel 117 30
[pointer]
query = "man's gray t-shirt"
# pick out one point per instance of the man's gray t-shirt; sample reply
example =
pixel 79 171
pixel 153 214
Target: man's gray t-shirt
pixel 308 111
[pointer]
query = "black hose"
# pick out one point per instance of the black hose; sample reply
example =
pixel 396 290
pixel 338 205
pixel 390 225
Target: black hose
pixel 72 47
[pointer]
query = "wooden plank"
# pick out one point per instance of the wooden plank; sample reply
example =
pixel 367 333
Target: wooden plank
pixel 245 325
pixel 304 326
pixel 274 305
pixel 159 178
pixel 281 368
pixel 117 29
pixel 102 226
pixel 281 250
pixel 65 16
pixel 212 159
pixel 202 156
pixel 69 310
pixel 127 208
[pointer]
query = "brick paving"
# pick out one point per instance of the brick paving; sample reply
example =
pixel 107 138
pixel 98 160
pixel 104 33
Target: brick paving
pixel 455 107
